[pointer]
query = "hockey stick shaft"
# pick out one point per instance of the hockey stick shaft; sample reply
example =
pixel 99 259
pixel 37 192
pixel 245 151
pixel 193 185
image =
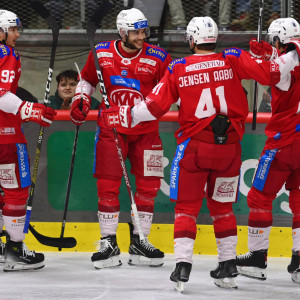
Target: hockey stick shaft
pixel 63 225
pixel 259 32
pixel 44 13
pixel 91 29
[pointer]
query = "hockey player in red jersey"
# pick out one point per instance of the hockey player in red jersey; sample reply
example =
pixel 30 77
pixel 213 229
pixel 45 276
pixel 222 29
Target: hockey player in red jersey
pixel 14 161
pixel 131 68
pixel 280 160
pixel 212 116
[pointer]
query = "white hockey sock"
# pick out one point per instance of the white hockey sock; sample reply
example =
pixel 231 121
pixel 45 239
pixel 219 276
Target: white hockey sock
pixel 1 221
pixel 183 249
pixel 14 227
pixel 258 238
pixel 146 221
pixel 296 239
pixel 108 223
pixel 226 248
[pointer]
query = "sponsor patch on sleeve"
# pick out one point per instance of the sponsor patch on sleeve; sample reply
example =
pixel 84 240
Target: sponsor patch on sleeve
pixel 103 45
pixel 157 52
pixel 232 51
pixel 4 51
pixel 175 62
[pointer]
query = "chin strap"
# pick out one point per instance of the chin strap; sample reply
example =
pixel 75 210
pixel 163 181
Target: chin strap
pixel 3 41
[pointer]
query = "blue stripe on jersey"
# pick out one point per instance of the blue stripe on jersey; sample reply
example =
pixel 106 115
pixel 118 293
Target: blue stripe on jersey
pixel 277 136
pixel 175 62
pixel 103 45
pixel 95 147
pixel 128 82
pixel 4 50
pixel 174 176
pixel 297 127
pixel 232 51
pixel 263 169
pixel 159 53
pixel 23 163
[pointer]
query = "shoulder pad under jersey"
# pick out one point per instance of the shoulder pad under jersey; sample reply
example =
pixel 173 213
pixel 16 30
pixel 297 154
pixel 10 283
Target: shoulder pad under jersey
pixel 4 50
pixel 232 51
pixel 156 52
pixel 175 62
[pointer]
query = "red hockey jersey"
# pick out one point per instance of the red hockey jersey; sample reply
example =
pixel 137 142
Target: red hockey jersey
pixel 128 80
pixel 209 85
pixel 10 72
pixel 284 125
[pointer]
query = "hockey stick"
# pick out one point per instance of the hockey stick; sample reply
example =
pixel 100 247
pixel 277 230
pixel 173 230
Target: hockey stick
pixel 45 14
pixel 91 29
pixel 68 242
pixel 259 31
pixel 63 225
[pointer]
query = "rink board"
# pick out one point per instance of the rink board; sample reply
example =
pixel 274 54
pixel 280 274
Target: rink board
pixel 161 236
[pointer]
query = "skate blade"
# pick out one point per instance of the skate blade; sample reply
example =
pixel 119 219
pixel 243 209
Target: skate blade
pixel 296 276
pixel 13 266
pixel 138 260
pixel 252 272
pixel 112 262
pixel 179 286
pixel 226 283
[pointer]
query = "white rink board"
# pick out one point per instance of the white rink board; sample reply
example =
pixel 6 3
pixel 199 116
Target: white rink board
pixel 72 276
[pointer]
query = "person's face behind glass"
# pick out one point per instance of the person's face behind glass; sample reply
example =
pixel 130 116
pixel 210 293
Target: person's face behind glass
pixel 66 88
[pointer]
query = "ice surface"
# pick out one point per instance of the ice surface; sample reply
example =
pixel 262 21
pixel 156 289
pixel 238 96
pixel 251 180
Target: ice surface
pixel 72 276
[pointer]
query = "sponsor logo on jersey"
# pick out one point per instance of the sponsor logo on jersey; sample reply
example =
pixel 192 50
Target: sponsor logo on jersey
pixel 142 69
pixel 126 97
pixel 103 45
pixel 104 54
pixel 205 65
pixel 148 61
pixel 4 51
pixel 175 62
pixel 159 53
pixel 124 73
pixel 7 131
pixel 106 63
pixel 128 82
pixel 16 54
pixel 232 51
pixel 141 24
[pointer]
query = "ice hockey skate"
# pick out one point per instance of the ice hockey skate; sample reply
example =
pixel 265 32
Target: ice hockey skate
pixel 108 253
pixel 253 264
pixel 19 258
pixel 294 267
pixel 224 275
pixel 143 252
pixel 180 275
pixel 2 251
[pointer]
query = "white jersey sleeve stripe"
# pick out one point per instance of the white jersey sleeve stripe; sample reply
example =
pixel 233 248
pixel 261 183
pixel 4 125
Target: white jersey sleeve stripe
pixel 10 103
pixel 141 113
pixel 87 88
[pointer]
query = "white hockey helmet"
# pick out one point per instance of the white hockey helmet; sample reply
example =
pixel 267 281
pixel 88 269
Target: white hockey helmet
pixel 284 29
pixel 131 19
pixel 9 19
pixel 203 30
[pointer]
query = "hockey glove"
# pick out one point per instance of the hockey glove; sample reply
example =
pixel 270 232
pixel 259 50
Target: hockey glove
pixel 80 109
pixel 117 116
pixel 263 50
pixel 37 112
